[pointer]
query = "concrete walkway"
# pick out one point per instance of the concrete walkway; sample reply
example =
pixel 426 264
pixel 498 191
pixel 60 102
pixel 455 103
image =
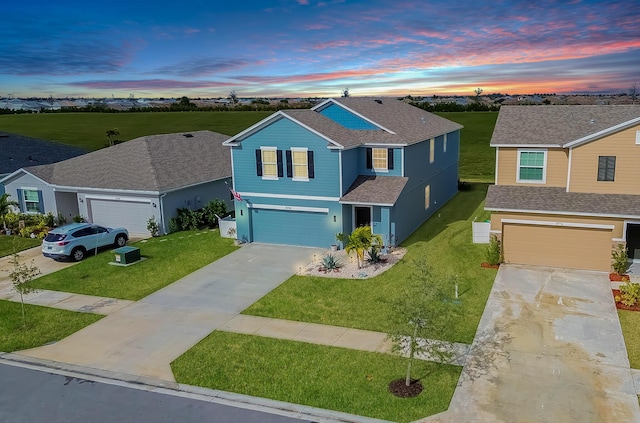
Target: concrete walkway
pixel 146 336
pixel 549 348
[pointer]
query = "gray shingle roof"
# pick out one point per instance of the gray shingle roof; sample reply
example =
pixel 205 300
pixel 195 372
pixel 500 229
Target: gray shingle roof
pixel 17 151
pixel 375 190
pixel 408 123
pixel 556 125
pixel 152 163
pixel 557 200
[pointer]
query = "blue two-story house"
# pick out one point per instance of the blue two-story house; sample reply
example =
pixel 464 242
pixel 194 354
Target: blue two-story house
pixel 306 175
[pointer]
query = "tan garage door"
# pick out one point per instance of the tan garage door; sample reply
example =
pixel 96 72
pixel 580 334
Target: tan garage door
pixel 569 247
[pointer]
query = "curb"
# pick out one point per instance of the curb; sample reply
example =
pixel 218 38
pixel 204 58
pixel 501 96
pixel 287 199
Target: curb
pixel 248 402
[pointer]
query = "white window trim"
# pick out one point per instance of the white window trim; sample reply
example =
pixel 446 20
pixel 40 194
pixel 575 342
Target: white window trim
pixel 637 137
pixel 432 150
pixel 544 167
pixel 293 167
pixel 386 162
pixel 23 200
pixel 269 178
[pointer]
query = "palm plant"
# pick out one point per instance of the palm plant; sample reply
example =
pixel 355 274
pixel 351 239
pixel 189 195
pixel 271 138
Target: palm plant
pixel 5 207
pixel 360 240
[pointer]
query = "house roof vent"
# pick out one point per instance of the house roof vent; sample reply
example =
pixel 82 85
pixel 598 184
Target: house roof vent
pixel 592 121
pixel 187 135
pixel 378 101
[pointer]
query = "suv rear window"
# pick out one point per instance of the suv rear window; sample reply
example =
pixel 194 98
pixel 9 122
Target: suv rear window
pixel 55 237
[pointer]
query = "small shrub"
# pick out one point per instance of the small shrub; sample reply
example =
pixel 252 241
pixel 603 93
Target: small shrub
pixel 629 294
pixel 330 262
pixel 493 251
pixel 188 219
pixel 213 208
pixel 79 219
pixel 619 256
pixel 50 220
pixel 173 224
pixel 60 220
pixel 153 227
pixel 374 256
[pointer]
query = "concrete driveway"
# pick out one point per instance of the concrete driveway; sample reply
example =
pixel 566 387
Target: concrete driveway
pixel 144 338
pixel 46 265
pixel 549 348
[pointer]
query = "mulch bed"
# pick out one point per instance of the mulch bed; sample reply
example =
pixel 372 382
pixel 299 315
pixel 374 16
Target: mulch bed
pixel 614 277
pixel 489 266
pixel 621 306
pixel 400 389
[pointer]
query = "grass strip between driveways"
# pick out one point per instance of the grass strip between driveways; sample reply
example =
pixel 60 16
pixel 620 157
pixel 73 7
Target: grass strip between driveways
pixel 630 322
pixel 7 244
pixel 169 258
pixel 444 241
pixel 320 376
pixel 44 325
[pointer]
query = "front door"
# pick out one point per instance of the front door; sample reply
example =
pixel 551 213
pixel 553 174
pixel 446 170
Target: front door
pixel 362 216
pixel 633 240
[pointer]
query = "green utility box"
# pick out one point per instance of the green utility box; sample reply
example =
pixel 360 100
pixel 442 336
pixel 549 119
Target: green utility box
pixel 127 255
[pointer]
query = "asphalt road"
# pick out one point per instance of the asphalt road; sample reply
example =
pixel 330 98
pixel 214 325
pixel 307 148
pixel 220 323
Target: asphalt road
pixel 35 396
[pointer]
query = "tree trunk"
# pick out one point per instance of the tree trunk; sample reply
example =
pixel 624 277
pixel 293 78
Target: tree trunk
pixel 412 350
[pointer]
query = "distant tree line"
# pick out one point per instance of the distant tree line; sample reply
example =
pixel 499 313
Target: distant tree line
pixel 455 107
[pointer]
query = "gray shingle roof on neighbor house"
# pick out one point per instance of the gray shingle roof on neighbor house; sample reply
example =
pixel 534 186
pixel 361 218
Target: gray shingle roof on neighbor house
pixel 408 123
pixel 375 190
pixel 557 200
pixel 17 151
pixel 156 163
pixel 557 125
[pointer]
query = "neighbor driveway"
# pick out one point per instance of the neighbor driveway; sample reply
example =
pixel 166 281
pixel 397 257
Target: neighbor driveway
pixel 145 337
pixel 549 348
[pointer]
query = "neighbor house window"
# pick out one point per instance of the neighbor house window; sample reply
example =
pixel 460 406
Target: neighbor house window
pixel 432 150
pixel 606 168
pixel 531 165
pixel 638 137
pixel 300 164
pixel 444 144
pixel 31 201
pixel 427 196
pixel 380 161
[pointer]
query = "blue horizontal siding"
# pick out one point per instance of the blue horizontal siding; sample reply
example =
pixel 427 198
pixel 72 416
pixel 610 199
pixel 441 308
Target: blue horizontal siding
pixel 347 119
pixel 284 135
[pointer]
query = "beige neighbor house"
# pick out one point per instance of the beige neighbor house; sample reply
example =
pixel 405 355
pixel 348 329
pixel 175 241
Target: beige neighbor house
pixel 567 184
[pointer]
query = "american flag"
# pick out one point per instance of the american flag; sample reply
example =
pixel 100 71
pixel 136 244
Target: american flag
pixel 235 194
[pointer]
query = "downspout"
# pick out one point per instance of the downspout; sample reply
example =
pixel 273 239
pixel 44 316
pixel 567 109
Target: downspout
pixel 164 227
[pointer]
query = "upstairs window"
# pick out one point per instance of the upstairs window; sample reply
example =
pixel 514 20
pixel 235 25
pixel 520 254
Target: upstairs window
pixel 606 168
pixel 432 150
pixel 380 159
pixel 531 166
pixel 269 163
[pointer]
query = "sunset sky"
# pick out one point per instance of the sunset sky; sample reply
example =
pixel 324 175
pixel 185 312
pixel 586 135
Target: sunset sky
pixel 303 48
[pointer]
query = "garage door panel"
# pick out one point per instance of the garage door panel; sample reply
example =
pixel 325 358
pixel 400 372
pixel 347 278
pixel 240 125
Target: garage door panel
pixel 568 247
pixel 288 227
pixel 132 215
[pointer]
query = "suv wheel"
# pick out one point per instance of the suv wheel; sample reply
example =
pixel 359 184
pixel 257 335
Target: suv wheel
pixel 121 240
pixel 77 254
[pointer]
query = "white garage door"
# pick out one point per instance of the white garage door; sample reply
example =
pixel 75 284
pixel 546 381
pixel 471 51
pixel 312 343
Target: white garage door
pixel 131 215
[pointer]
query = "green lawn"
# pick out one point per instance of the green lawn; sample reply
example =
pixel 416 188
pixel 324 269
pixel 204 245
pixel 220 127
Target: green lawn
pixel 477 159
pixel 630 322
pixel 169 258
pixel 88 130
pixel 326 377
pixel 444 241
pixel 8 243
pixel 44 325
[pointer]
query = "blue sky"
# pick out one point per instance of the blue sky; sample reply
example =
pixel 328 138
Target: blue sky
pixel 291 48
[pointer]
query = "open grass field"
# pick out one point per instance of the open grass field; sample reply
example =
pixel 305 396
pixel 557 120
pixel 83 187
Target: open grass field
pixel 444 241
pixel 87 130
pixel 169 258
pixel 326 377
pixel 44 325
